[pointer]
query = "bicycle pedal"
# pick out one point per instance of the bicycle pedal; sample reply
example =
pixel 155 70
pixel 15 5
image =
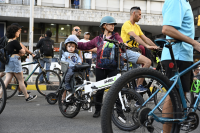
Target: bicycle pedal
pixel 150 128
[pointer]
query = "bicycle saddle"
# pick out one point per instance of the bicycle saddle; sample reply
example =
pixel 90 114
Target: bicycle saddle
pixel 81 67
pixel 162 41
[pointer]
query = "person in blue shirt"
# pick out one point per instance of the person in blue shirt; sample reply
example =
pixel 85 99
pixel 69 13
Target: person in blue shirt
pixel 72 58
pixel 76 4
pixel 178 23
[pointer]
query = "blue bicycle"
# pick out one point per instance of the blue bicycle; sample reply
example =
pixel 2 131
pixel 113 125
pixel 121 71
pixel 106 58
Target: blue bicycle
pixel 180 115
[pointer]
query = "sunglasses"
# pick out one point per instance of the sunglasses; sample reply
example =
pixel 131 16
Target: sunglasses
pixel 78 30
pixel 136 7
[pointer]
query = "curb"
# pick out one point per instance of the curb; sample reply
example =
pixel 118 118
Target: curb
pixel 33 87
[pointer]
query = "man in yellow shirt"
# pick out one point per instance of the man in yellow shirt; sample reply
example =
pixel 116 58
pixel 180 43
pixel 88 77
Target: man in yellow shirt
pixel 130 28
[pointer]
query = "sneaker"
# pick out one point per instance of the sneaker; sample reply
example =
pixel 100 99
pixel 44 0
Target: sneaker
pixel 21 94
pixel 141 89
pixel 96 114
pixel 137 104
pixel 122 117
pixel 30 98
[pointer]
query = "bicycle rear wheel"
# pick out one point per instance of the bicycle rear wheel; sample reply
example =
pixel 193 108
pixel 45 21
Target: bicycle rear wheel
pixel 12 87
pixel 2 96
pixel 141 116
pixel 46 85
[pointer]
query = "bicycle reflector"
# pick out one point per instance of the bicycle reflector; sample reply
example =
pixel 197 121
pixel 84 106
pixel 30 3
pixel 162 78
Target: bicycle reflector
pixel 171 65
pixel 195 86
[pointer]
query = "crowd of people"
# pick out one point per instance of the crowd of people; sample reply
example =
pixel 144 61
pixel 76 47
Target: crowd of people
pixel 181 28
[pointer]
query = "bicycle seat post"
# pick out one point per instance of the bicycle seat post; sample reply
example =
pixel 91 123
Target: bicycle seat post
pixel 172 57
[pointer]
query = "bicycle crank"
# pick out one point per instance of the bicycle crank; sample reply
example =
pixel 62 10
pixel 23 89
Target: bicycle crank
pixel 191 123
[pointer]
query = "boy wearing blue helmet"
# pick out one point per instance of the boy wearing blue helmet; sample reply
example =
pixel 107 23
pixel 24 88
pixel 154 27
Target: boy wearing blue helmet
pixel 72 58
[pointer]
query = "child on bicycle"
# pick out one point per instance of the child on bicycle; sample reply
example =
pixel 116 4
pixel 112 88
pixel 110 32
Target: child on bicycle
pixel 72 58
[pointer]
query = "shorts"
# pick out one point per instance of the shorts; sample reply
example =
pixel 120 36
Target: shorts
pixel 132 56
pixel 14 65
pixel 186 79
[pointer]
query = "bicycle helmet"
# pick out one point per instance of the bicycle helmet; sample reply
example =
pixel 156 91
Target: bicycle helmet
pixel 195 86
pixel 37 54
pixel 107 20
pixel 73 39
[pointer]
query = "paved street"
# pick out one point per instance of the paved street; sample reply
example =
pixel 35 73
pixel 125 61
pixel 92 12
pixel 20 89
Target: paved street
pixel 40 117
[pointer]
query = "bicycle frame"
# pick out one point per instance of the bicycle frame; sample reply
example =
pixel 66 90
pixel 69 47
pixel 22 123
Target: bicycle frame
pixel 176 80
pixel 38 65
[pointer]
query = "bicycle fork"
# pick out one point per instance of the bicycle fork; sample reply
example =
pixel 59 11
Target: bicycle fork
pixel 121 100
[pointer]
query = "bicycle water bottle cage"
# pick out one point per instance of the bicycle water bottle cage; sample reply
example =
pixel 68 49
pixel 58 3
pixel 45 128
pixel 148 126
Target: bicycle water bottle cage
pixel 164 42
pixel 195 86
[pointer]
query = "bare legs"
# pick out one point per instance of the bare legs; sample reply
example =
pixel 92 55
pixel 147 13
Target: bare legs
pixel 20 78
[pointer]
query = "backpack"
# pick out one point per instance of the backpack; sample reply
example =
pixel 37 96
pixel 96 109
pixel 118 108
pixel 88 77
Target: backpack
pixel 4 56
pixel 47 47
pixel 108 57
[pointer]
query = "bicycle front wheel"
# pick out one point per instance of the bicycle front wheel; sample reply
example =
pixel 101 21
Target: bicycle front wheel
pixel 47 82
pixel 140 114
pixel 2 96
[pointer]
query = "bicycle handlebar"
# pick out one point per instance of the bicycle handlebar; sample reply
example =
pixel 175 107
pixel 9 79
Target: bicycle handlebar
pixel 120 44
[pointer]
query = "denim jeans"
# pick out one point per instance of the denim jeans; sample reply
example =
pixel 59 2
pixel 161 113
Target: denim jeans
pixel 48 64
pixel 132 57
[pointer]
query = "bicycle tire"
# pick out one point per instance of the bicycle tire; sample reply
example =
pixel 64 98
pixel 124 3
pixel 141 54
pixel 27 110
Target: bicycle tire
pixel 48 86
pixel 131 95
pixel 63 105
pixel 109 100
pixel 3 96
pixel 12 87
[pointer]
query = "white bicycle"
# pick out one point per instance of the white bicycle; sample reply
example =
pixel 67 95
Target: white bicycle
pixel 71 103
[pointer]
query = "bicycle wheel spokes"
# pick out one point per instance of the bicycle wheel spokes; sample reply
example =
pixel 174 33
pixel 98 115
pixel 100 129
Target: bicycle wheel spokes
pixel 124 119
pixel 70 108
pixel 47 82
pixel 140 117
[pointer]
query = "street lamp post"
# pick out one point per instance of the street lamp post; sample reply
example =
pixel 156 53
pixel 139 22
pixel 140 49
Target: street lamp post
pixel 31 29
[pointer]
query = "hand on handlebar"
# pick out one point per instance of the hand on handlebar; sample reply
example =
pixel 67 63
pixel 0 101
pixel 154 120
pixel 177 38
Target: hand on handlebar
pixel 33 55
pixel 94 50
pixel 152 47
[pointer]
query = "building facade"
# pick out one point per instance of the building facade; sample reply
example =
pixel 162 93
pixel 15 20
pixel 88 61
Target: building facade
pixel 60 16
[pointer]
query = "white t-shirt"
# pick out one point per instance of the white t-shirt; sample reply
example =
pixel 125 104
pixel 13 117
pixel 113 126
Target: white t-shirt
pixel 87 55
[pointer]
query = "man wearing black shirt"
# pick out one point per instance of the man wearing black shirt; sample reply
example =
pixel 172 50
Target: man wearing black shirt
pixel 46 48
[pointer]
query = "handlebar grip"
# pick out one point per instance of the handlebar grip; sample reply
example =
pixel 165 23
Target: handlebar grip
pixel 109 40
pixel 132 38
